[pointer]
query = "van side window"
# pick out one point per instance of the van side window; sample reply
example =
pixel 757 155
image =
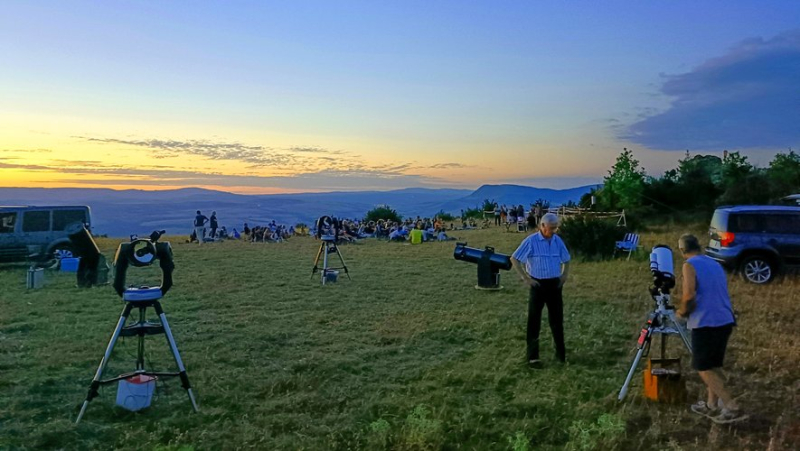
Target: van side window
pixel 744 223
pixel 63 218
pixel 7 222
pixel 36 221
pixel 786 224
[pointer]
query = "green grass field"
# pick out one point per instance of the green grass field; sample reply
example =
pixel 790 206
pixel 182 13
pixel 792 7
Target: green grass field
pixel 406 355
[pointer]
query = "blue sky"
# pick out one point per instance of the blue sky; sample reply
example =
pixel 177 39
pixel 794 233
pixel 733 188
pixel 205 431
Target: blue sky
pixel 309 96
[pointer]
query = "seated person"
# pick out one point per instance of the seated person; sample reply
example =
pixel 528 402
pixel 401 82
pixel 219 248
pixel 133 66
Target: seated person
pixel 398 234
pixel 417 234
pixel 442 236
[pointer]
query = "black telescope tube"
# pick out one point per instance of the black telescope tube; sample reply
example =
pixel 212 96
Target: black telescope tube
pixel 473 255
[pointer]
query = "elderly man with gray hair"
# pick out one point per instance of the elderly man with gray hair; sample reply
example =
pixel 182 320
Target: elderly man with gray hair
pixel 542 262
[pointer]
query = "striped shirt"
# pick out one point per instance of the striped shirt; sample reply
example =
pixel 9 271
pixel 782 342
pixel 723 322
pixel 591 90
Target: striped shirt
pixel 542 257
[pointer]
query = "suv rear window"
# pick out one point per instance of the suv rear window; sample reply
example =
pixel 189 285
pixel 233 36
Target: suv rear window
pixel 36 221
pixel 745 223
pixel 63 218
pixel 718 221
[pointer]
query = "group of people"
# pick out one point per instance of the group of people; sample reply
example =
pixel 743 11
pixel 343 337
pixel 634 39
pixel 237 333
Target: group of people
pixel 415 231
pixel 200 233
pixel 542 262
pixel 270 233
pixel 207 229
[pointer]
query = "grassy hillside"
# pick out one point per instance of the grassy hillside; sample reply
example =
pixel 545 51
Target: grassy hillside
pixel 407 355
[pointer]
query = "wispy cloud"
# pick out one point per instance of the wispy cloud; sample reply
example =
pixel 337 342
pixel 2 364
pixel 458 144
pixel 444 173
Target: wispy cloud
pixel 315 150
pixel 352 177
pixel 448 166
pixel 25 150
pixel 165 148
pixel 747 98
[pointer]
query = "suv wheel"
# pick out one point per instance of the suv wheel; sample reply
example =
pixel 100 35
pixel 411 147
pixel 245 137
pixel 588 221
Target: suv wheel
pixel 757 269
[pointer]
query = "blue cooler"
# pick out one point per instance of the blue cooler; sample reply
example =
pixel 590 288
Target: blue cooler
pixel 70 264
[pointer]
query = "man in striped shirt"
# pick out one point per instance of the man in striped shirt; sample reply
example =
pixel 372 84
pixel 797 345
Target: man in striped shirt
pixel 542 262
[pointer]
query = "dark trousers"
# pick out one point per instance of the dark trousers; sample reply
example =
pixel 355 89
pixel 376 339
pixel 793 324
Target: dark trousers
pixel 548 293
pixel 497 220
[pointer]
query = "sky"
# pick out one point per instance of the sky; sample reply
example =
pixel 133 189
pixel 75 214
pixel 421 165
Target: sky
pixel 309 96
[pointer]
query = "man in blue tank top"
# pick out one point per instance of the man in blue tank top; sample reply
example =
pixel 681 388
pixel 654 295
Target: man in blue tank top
pixel 707 307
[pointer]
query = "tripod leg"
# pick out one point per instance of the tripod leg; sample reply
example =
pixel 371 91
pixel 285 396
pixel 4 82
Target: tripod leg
pixel 681 331
pixel 343 264
pixel 316 260
pixel 109 349
pixel 140 349
pixel 325 262
pixel 176 354
pixel 644 339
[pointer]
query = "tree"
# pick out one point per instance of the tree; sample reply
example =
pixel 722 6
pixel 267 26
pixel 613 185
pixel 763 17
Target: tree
pixel 734 170
pixel 384 212
pixel 698 182
pixel 624 185
pixel 784 174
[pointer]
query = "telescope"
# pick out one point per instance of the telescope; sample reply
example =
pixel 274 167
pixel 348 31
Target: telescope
pixel 92 269
pixel 489 264
pixel 662 268
pixel 140 253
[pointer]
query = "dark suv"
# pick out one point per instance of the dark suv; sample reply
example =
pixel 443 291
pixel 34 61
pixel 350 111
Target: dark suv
pixel 757 241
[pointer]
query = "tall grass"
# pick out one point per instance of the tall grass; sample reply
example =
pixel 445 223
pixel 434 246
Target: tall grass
pixel 407 355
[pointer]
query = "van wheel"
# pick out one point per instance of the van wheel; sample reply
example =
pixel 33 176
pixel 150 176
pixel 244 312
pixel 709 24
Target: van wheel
pixel 757 269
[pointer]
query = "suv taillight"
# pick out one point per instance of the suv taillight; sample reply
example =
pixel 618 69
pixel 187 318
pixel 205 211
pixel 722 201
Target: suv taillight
pixel 725 238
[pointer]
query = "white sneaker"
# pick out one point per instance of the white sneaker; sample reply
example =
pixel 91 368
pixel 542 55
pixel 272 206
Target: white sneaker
pixel 729 416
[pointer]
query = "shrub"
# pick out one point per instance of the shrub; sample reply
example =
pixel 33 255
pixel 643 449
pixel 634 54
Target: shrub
pixel 422 432
pixel 590 238
pixel 444 216
pixel 475 213
pixel 384 212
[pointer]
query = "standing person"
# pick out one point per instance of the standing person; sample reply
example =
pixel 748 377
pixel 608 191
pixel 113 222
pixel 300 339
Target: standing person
pixel 542 262
pixel 707 306
pixel 212 224
pixel 496 214
pixel 199 226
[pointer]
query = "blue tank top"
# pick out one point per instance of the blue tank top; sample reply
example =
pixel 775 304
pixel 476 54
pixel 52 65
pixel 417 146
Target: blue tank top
pixel 713 304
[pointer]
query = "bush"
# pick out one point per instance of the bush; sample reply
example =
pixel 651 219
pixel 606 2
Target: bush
pixel 475 213
pixel 384 212
pixel 444 216
pixel 591 238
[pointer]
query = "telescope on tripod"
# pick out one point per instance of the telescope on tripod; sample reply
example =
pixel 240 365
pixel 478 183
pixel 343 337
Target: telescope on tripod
pixel 328 233
pixel 141 253
pixel 662 319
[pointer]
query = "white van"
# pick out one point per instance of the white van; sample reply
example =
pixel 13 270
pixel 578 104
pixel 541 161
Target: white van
pixel 39 234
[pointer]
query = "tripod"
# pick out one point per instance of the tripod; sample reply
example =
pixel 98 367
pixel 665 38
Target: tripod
pixel 661 321
pixel 141 299
pixel 328 247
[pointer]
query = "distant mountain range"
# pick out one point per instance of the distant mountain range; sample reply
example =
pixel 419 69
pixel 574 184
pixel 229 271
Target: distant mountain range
pixel 121 213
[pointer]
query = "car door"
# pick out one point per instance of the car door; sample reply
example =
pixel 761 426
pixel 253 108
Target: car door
pixel 783 229
pixel 36 234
